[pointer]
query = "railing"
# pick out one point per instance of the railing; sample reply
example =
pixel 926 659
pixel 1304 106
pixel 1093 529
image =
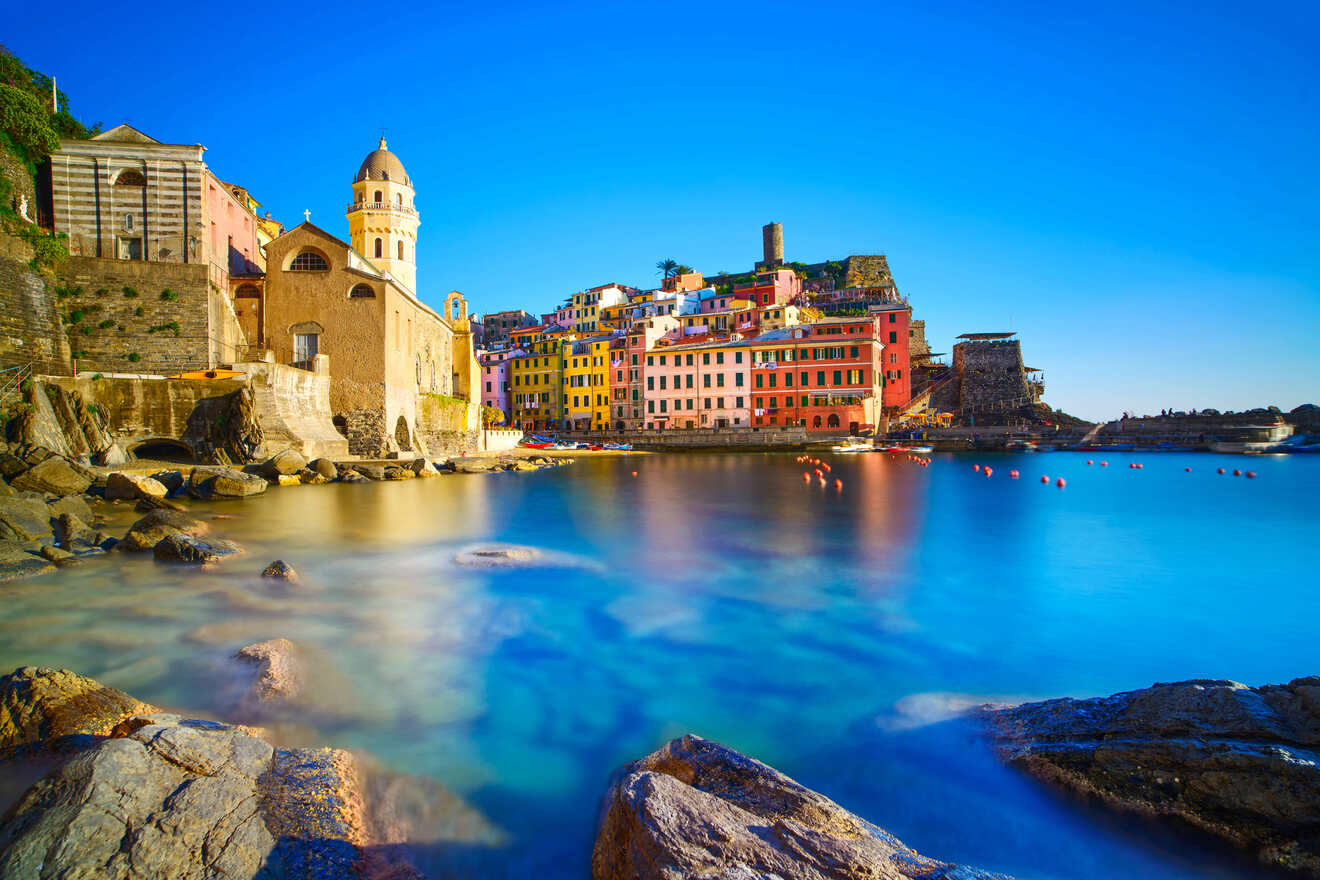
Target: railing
pixel 380 206
pixel 12 378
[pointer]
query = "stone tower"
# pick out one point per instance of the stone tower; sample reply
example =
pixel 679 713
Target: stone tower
pixel 772 244
pixel 382 220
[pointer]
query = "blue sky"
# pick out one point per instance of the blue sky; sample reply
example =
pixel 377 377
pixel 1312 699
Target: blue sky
pixel 1133 187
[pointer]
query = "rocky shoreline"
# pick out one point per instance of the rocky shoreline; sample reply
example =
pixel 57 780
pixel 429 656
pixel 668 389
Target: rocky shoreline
pixel 56 511
pixel 131 791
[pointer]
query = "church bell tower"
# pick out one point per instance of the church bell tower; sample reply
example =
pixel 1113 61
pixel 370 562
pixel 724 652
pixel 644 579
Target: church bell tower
pixel 382 219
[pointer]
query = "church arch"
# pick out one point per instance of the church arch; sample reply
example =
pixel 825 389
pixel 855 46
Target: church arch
pixel 130 177
pixel 309 260
pixel 402 435
pixel 362 291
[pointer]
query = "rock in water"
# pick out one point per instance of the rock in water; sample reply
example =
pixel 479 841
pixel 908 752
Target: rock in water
pixel 1236 761
pixel 280 570
pixel 278 668
pixel 172 481
pixel 194 549
pixel 130 487
pixel 222 482
pixel 696 809
pixel 325 467
pixel 157 525
pixel 42 707
pixel 55 475
pixel 284 463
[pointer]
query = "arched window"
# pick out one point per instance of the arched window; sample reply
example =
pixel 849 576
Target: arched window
pixel 248 291
pixel 833 420
pixel 130 177
pixel 309 261
pixel 400 250
pixel 362 291
pixel 380 249
pixel 379 198
pixel 815 423
pixel 398 199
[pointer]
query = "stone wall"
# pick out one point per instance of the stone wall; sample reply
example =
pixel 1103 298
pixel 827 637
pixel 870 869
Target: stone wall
pixel 30 330
pixel 867 271
pixel 991 378
pixel 365 432
pixel 293 408
pixel 448 425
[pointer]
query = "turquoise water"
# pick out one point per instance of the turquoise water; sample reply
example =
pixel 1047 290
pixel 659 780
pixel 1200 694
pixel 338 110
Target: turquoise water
pixel 830 634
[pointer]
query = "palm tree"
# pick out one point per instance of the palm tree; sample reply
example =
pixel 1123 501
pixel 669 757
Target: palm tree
pixel 666 267
pixel 681 269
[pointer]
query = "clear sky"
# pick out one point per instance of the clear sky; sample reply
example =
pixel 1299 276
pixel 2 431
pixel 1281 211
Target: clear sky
pixel 1132 186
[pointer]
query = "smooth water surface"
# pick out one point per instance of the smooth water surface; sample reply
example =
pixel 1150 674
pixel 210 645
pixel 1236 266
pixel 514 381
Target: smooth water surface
pixel 830 634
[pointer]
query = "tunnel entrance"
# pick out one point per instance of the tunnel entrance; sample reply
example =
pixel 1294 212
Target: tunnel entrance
pixel 163 449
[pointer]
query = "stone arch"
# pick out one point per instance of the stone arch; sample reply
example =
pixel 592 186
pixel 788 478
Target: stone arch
pixel 362 291
pixel 832 421
pixel 402 434
pixel 130 177
pixel 815 422
pixel 163 448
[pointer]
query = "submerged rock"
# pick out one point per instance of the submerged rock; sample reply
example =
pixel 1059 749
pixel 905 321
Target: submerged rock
pixel 284 463
pixel 697 809
pixel 508 556
pixel 325 467
pixel 194 549
pixel 130 487
pixel 277 664
pixel 1239 762
pixel 280 570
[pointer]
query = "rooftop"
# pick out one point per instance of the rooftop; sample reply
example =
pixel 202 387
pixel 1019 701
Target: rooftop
pixel 984 336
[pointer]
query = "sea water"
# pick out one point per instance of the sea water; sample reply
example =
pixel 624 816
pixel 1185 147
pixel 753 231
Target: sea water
pixel 835 634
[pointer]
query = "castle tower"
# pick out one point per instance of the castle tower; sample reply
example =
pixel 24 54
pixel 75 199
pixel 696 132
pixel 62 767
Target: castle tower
pixel 772 245
pixel 382 220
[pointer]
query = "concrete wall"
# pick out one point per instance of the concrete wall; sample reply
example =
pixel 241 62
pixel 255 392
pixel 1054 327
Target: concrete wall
pixel 293 409
pixel 499 439
pixel 138 409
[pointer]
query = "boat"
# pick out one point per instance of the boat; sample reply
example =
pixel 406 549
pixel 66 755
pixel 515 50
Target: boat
pixel 856 444
pixel 921 450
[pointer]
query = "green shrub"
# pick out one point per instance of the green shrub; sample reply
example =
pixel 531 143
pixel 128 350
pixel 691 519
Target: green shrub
pixel 75 316
pixel 102 292
pixel 95 378
pixel 133 357
pixel 27 124
pixel 172 325
pixel 168 295
pixel 138 312
pixel 129 292
pixel 106 324
pixel 86 329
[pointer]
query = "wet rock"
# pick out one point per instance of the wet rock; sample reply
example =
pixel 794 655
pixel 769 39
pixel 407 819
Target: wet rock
pixel 221 482
pixel 68 529
pixel 399 473
pixel 353 477
pixel 158 525
pixel 56 555
pixel 5 489
pixel 20 559
pixel 24 517
pixel 112 456
pixel 695 808
pixel 309 477
pixel 72 504
pixel 280 570
pixel 325 467
pixel 284 463
pixel 173 481
pixel 127 487
pixel 474 465
pixel 1236 761
pixel 56 476
pixel 146 505
pixel 370 471
pixel 276 665
pixel 194 550
pixel 44 708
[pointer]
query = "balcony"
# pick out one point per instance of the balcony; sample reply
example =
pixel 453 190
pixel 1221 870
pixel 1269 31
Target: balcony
pixel 381 206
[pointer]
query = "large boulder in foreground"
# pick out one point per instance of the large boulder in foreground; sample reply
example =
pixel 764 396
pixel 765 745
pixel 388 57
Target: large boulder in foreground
pixel 56 476
pixel 158 525
pixel 43 707
pixel 1239 762
pixel 696 809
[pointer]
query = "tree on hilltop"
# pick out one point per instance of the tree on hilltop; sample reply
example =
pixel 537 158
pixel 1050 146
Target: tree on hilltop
pixel 666 267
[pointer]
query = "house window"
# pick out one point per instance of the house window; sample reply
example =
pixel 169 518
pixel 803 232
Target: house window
pixel 309 261
pixel 362 291
pixel 400 250
pixel 128 222
pixel 305 348
pixel 893 337
pixel 380 248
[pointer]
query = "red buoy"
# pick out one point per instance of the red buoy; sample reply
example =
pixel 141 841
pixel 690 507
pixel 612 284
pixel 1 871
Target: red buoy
pixel 1060 483
pixel 1251 474
pixel 1044 479
pixel 1140 465
pixel 838 484
pixel 1104 464
pixel 634 473
pixel 1132 465
pixel 1088 461
pixel 1013 474
pixel 1188 470
pixel 806 477
pixel 989 471
pixel 1236 472
pixel 977 468
pixel 1221 470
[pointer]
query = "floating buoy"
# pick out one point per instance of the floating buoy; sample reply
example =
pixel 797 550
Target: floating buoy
pixel 1251 475
pixel 1044 479
pixel 1132 465
pixel 1220 471
pixel 977 468
pixel 989 471
pixel 806 477
pixel 1104 464
pixel 1236 472
pixel 1060 482
pixel 1013 474
pixel 838 484
pixel 1188 470
pixel 634 473
pixel 1088 461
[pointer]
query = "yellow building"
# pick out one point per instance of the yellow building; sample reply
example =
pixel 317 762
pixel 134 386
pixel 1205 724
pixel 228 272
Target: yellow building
pixel 536 378
pixel 587 384
pixel 383 219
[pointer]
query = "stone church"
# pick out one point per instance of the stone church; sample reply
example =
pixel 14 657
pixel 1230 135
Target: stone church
pixel 352 310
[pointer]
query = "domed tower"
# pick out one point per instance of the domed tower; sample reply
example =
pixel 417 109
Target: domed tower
pixel 382 220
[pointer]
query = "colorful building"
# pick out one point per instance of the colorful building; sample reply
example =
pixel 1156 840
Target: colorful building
pixel 494 378
pixel 536 378
pixel 774 287
pixel 628 371
pixel 586 384
pixel 702 385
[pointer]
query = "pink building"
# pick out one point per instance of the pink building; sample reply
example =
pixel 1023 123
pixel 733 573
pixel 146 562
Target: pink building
pixel 494 369
pixel 704 385
pixel 232 231
pixel 776 287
